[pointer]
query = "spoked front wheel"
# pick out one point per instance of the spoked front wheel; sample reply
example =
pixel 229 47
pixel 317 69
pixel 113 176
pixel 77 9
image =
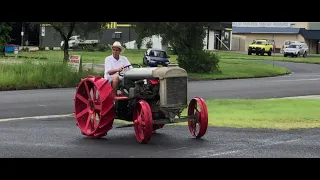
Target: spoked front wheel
pixel 198 108
pixel 143 123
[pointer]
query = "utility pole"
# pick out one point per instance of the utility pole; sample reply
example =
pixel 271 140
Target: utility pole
pixel 22 33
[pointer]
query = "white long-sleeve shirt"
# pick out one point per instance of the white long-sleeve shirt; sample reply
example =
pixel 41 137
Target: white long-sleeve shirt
pixel 111 63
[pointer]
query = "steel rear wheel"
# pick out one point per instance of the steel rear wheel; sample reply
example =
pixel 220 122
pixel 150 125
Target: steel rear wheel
pixel 143 123
pixel 93 105
pixel 198 108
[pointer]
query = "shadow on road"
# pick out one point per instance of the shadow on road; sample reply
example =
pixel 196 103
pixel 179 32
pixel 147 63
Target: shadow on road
pixel 163 139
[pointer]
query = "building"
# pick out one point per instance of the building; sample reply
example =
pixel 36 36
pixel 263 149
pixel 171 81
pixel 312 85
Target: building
pixel 49 37
pixel 218 35
pixel 37 34
pixel 29 37
pixel 245 32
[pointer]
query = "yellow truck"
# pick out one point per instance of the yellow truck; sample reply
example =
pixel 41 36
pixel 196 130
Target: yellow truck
pixel 260 46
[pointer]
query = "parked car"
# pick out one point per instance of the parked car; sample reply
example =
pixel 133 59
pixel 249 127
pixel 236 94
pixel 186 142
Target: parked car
pixel 296 50
pixel 260 46
pixel 154 57
pixel 286 43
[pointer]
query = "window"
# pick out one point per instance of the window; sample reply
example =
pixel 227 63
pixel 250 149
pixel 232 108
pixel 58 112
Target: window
pixel 293 46
pixel 156 53
pixel 260 42
pixel 287 42
pixel 116 35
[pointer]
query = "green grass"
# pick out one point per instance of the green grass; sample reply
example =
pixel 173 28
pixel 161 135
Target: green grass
pixel 54 74
pixel 280 114
pixel 264 113
pixel 136 56
pixel 97 57
pixel 231 68
pixel 314 58
pixel 28 75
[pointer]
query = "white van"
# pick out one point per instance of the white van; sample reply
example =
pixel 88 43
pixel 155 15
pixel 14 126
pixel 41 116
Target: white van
pixel 296 49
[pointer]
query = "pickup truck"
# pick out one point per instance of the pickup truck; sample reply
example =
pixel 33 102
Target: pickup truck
pixel 77 42
pixel 260 46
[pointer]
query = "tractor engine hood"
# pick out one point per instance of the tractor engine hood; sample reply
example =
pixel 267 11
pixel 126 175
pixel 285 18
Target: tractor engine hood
pixel 154 72
pixel 139 73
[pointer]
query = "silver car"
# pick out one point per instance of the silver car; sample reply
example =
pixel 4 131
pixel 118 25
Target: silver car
pixel 296 50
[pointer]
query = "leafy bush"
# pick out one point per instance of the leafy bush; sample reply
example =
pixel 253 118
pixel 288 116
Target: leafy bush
pixel 90 48
pixel 102 47
pixel 149 44
pixel 25 49
pixel 199 62
pixel 5 29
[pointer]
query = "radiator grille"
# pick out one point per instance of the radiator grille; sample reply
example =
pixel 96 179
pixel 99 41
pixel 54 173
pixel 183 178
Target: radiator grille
pixel 177 90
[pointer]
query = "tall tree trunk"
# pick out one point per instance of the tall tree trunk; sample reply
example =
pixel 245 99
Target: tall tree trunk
pixel 66 51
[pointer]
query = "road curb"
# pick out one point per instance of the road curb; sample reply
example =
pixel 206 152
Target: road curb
pixel 302 97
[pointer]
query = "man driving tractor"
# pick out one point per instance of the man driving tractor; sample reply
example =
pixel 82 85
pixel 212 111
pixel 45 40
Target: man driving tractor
pixel 115 64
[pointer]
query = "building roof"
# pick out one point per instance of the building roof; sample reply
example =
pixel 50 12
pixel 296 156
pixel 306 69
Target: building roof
pixel 264 30
pixel 310 34
pixel 307 34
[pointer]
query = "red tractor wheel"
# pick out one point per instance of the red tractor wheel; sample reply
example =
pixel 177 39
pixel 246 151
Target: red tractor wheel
pixel 198 127
pixel 93 105
pixel 143 123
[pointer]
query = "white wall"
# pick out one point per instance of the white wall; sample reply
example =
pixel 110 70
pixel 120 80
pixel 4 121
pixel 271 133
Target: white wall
pixel 211 41
pixel 238 43
pixel 156 40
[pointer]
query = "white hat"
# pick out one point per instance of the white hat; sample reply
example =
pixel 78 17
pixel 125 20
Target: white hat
pixel 118 45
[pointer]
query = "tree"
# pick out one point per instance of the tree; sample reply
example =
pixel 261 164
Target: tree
pixel 66 30
pixel 5 29
pixel 186 38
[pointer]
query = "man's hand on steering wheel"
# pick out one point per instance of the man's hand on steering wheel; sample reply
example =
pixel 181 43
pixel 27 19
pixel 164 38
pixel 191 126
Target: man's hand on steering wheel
pixel 121 69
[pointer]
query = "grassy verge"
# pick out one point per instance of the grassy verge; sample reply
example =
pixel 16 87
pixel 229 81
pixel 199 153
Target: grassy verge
pixel 314 59
pixel 97 57
pixel 54 74
pixel 235 69
pixel 28 75
pixel 264 113
pixel 135 56
pixel 231 68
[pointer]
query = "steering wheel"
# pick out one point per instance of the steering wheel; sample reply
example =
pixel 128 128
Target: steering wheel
pixel 121 72
pixel 138 65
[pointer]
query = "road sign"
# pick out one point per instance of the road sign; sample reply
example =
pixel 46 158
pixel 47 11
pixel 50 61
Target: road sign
pixel 74 61
pixel 16 50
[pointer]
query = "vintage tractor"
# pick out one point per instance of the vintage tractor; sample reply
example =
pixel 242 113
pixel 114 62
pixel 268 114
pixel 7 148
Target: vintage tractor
pixel 150 98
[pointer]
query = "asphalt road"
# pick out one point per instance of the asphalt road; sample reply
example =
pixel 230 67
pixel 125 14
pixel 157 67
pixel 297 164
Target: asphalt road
pixel 305 80
pixel 60 137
